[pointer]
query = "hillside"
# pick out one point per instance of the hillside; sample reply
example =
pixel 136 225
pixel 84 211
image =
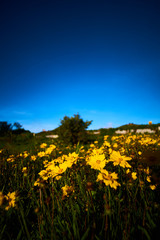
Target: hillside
pixel 108 131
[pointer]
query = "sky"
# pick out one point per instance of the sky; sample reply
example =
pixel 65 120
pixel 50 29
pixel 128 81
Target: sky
pixel 98 58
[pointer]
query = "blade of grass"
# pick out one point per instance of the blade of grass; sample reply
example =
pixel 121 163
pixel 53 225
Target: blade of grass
pixel 2 231
pixel 24 222
pixel 85 235
pixel 144 231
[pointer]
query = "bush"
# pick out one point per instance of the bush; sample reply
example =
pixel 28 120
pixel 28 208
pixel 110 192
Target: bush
pixel 23 138
pixel 5 128
pixel 8 128
pixel 73 130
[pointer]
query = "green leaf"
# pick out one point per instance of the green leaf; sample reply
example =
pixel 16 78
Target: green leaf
pixel 145 232
pixel 152 224
pixel 85 235
pixel 19 235
pixel 2 231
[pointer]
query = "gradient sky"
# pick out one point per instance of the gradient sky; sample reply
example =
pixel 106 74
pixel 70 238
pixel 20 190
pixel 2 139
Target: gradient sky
pixel 100 59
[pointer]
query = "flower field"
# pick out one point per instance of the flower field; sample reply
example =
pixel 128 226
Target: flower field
pixel 105 190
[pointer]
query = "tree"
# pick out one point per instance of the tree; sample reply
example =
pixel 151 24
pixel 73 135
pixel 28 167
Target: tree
pixel 5 128
pixel 17 125
pixel 73 130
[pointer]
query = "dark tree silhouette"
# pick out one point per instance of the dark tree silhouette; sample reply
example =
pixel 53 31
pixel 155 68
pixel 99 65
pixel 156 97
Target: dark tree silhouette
pixel 17 125
pixel 73 130
pixel 5 128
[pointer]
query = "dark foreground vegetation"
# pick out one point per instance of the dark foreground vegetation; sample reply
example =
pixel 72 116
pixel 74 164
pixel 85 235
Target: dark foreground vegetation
pixel 106 187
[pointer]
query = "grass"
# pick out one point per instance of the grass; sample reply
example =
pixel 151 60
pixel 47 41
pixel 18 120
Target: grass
pixel 59 193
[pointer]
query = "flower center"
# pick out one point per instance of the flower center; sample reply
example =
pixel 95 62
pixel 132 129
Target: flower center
pixel 98 161
pixel 120 159
pixel 60 171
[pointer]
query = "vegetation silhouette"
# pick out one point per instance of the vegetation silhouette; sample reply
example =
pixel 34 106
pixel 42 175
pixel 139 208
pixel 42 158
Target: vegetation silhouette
pixel 73 130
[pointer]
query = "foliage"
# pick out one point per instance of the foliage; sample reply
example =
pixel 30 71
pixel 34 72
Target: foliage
pixel 5 128
pixel 8 128
pixel 138 126
pixel 17 125
pixel 73 130
pixel 106 191
pixel 107 131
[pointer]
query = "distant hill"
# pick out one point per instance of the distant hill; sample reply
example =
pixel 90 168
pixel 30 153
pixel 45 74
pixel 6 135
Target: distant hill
pixel 50 132
pixel 108 131
pixel 138 126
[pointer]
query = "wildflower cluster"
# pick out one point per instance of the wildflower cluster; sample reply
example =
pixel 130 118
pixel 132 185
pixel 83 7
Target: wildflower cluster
pixel 56 167
pixel 77 192
pixel 8 201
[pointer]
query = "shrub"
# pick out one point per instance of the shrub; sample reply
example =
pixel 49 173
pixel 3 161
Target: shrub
pixel 73 130
pixel 5 128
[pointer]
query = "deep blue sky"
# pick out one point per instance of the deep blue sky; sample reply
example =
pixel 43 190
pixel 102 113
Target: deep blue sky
pixel 100 59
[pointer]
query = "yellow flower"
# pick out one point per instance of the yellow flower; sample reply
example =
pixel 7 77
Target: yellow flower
pixel 117 159
pixel 97 151
pixel 25 154
pixel 92 145
pixel 24 169
pixel 52 146
pixel 66 190
pixel 128 171
pixel 128 140
pixel 45 162
pixel 54 171
pixel 11 158
pixel 150 122
pixel 122 150
pixel 134 175
pixel 50 149
pixel 60 159
pixel 33 158
pixel 139 153
pixel 43 145
pixel 97 161
pixel 72 157
pixel 11 200
pixel 110 179
pixel 146 170
pixel 153 187
pixel 148 179
pixel 41 154
pixel 115 145
pixel 39 183
pixel 106 144
pixel 105 137
pixel 110 150
pixel 82 150
pixel 58 177
pixel 44 175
